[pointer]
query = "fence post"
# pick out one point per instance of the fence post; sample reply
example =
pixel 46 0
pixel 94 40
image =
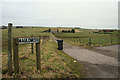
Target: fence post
pixel 38 58
pixel 32 44
pixel 79 41
pixel 16 56
pixel 106 41
pixel 89 43
pixel 9 48
pixel 111 40
pixel 42 40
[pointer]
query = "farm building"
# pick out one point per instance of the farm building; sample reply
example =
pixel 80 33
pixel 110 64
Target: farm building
pixel 108 30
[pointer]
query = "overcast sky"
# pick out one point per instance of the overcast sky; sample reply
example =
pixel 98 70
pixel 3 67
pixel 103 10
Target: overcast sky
pixel 83 13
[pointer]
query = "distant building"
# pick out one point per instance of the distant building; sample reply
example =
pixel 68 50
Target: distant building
pixel 108 30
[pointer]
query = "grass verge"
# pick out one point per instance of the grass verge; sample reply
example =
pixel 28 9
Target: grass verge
pixel 55 64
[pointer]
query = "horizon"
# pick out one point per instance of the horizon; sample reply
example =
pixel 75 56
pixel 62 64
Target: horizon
pixel 61 27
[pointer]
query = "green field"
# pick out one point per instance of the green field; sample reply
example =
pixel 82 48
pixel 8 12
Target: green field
pixel 97 39
pixel 54 63
pixel 21 32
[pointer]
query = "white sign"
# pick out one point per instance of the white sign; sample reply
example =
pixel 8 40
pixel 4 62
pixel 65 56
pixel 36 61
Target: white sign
pixel 28 40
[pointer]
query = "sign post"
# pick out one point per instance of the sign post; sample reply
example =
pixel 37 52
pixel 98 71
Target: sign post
pixel 17 41
pixel 10 48
pixel 32 48
pixel 38 56
pixel 16 56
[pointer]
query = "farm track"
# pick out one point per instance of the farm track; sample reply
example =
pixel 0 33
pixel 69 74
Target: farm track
pixel 98 65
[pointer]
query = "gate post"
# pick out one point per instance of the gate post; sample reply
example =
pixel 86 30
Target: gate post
pixel 16 56
pixel 38 58
pixel 9 48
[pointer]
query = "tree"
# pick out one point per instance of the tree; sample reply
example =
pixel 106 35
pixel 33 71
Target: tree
pixel 49 30
pixel 73 31
pixel 63 31
pixel 68 31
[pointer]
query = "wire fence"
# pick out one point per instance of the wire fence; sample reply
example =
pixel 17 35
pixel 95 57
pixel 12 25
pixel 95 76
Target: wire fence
pixel 96 41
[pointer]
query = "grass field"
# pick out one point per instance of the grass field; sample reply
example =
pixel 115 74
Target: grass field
pixel 97 39
pixel 55 64
pixel 21 32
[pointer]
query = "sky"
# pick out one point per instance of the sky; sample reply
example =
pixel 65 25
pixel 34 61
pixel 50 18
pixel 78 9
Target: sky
pixel 92 14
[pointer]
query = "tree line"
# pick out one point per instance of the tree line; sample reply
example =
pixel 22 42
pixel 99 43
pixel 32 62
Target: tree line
pixel 69 31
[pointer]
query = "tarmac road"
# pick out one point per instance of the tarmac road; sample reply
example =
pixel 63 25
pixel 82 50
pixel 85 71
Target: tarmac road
pixel 97 65
pixel 100 62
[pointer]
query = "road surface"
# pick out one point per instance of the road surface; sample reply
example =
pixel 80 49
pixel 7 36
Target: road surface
pixel 98 64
